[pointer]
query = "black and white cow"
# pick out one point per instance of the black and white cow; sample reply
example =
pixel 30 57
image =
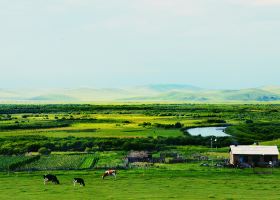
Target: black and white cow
pixel 50 177
pixel 79 181
pixel 110 173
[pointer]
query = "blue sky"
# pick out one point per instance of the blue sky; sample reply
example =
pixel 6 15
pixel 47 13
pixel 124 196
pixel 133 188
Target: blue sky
pixel 109 43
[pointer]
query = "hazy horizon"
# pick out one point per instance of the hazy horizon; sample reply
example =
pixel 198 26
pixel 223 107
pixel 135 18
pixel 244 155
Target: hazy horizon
pixel 230 44
pixel 132 86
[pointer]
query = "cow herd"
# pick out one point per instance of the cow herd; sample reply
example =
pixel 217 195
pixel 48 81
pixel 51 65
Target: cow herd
pixel 52 178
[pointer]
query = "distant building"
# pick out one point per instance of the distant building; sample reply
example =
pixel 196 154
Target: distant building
pixel 253 155
pixel 142 156
pixel 139 156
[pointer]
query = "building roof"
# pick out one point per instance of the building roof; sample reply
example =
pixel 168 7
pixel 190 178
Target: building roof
pixel 254 150
pixel 138 154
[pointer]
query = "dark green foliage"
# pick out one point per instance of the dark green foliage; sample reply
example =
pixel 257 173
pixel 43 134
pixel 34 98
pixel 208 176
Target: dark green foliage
pixel 43 124
pixel 253 132
pixel 34 143
pixel 150 109
pixel 248 121
pixel 218 121
pixel 144 124
pixel 44 151
pixel 7 161
pixel 169 126
pixel 16 165
pixel 30 117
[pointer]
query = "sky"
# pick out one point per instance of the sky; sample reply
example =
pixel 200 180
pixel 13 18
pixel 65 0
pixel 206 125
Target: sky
pixel 218 44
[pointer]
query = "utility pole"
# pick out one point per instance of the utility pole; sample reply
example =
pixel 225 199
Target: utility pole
pixel 211 148
pixel 216 144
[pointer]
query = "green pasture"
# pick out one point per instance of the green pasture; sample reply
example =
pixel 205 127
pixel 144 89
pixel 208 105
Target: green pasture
pixel 164 182
pixel 106 132
pixel 272 142
pixel 125 120
pixel 116 127
pixel 110 131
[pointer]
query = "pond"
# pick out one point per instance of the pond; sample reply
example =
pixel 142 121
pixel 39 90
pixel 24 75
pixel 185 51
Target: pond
pixel 208 131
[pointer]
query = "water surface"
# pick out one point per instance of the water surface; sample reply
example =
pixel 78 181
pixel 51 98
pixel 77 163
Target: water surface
pixel 208 131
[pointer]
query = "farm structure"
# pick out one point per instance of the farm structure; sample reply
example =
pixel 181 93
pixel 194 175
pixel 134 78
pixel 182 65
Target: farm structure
pixel 139 156
pixel 254 155
pixel 142 156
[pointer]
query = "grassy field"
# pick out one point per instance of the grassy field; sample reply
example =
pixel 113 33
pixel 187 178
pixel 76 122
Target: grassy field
pixel 106 125
pixel 124 120
pixel 165 182
pixel 107 131
pixel 87 139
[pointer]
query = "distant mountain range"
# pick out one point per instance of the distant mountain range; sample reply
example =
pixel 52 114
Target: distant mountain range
pixel 146 93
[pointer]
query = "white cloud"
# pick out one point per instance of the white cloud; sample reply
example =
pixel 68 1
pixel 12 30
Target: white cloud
pixel 117 23
pixel 257 2
pixel 174 7
pixel 61 6
pixel 78 2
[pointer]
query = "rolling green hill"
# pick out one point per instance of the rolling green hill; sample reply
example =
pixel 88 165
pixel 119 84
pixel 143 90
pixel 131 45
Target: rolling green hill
pixel 146 93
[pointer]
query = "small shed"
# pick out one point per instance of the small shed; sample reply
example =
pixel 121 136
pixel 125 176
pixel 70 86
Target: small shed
pixel 139 156
pixel 253 155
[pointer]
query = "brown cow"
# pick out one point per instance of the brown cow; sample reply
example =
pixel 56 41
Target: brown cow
pixel 110 172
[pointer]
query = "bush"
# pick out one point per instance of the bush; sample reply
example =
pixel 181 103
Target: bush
pixel 44 151
pixel 249 121
pixel 88 149
pixel 169 126
pixel 218 121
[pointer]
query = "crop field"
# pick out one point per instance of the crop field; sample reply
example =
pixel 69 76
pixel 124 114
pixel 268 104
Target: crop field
pixel 62 162
pixel 88 163
pixel 110 160
pixel 6 161
pixel 65 161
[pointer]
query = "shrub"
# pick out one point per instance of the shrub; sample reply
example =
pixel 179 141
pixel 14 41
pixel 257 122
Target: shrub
pixel 44 151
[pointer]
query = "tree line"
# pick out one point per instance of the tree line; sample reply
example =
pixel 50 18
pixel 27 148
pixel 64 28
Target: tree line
pixel 18 145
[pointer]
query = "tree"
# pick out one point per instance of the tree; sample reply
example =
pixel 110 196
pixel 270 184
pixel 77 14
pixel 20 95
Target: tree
pixel 88 149
pixel 178 125
pixel 44 151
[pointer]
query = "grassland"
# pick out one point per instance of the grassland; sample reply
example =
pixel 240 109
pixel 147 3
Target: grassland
pixel 124 120
pixel 87 139
pixel 165 182
pixel 99 128
pixel 152 122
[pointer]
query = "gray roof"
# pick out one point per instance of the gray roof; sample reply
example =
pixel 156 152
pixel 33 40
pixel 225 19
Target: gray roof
pixel 254 150
pixel 138 154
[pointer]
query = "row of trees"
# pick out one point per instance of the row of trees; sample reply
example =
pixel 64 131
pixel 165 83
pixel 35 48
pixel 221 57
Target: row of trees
pixel 161 109
pixel 255 131
pixel 22 145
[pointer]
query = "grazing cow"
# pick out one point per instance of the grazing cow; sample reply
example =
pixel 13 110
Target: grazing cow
pixel 50 177
pixel 110 173
pixel 79 180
